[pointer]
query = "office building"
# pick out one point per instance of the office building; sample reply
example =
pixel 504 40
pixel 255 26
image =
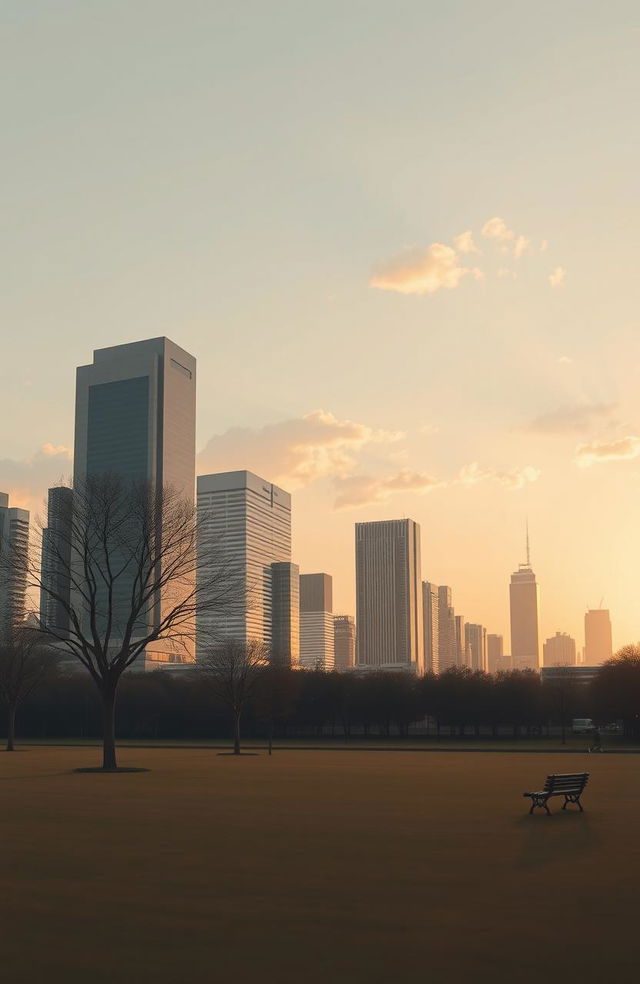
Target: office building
pixel 447 644
pixel 55 593
pixel 317 640
pixel 389 596
pixel 285 614
pixel 559 650
pixel 14 558
pixel 462 650
pixel 246 529
pixel 497 662
pixel 430 621
pixel 344 637
pixel 523 600
pixel 476 644
pixel 598 645
pixel 135 419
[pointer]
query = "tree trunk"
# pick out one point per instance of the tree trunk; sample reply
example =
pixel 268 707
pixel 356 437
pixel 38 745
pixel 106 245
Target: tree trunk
pixel 109 728
pixel 236 734
pixel 11 728
pixel 271 736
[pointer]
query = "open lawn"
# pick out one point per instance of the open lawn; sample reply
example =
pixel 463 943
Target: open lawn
pixel 315 867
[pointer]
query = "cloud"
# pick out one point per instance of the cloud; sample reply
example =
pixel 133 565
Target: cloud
pixel 27 481
pixel 566 420
pixel 521 247
pixel 295 451
pixel 497 228
pixel 464 242
pixel 363 490
pixel 565 360
pixel 516 478
pixel 421 271
pixel 557 277
pixel 613 450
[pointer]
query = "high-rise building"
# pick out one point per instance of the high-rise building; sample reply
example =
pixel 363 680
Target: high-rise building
pixel 344 642
pixel 285 614
pixel 447 645
pixel 476 644
pixel 317 641
pixel 523 598
pixel 389 596
pixel 430 612
pixel 496 660
pixel 136 420
pixel 14 558
pixel 559 650
pixel 55 593
pixel 598 643
pixel 463 655
pixel 248 519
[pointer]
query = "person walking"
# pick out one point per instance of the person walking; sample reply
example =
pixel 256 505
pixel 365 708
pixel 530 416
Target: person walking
pixel 596 741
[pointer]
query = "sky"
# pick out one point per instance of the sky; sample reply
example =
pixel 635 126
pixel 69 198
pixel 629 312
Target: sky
pixel 400 239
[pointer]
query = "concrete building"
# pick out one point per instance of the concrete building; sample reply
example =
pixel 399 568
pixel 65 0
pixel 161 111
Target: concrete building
pixel 55 574
pixel 430 621
pixel 317 631
pixel 598 645
pixel 136 419
pixel 447 644
pixel 497 662
pixel 462 650
pixel 285 614
pixel 344 635
pixel 14 549
pixel 389 596
pixel 559 650
pixel 523 600
pixel 249 521
pixel 476 644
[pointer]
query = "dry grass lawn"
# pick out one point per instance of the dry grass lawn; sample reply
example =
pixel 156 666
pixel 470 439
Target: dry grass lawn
pixel 315 867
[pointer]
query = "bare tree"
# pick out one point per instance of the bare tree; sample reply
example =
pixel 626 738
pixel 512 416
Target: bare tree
pixel 128 572
pixel 24 664
pixel 231 672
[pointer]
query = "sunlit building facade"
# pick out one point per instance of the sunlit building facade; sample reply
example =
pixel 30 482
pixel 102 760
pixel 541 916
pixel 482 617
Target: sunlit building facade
pixel 344 635
pixel 523 603
pixel 476 645
pixel 598 644
pixel 559 650
pixel 317 631
pixel 447 644
pixel 14 554
pixel 430 623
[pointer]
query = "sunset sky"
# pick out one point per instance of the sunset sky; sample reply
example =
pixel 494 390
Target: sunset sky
pixel 399 237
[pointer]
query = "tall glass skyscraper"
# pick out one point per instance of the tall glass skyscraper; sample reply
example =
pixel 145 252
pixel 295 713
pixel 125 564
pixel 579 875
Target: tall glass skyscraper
pixel 523 603
pixel 389 596
pixel 136 419
pixel 14 546
pixel 248 519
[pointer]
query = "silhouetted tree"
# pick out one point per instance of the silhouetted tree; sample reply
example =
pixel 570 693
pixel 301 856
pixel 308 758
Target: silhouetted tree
pixel 275 697
pixel 616 690
pixel 25 663
pixel 129 553
pixel 231 672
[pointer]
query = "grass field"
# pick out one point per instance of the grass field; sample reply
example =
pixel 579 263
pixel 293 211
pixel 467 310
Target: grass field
pixel 315 867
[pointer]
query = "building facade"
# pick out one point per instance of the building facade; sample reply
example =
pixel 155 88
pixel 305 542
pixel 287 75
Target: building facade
pixel 14 558
pixel 55 593
pixel 317 631
pixel 135 419
pixel 496 660
pixel 598 644
pixel 559 650
pixel 430 623
pixel 285 614
pixel 463 656
pixel 344 635
pixel 246 529
pixel 389 596
pixel 476 644
pixel 523 604
pixel 447 643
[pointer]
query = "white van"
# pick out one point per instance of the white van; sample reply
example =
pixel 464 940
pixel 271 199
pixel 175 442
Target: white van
pixel 582 726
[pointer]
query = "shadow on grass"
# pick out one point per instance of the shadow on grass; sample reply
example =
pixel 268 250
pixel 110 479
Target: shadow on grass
pixel 98 770
pixel 565 835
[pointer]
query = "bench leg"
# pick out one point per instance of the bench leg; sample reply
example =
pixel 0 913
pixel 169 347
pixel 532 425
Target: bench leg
pixel 572 799
pixel 537 803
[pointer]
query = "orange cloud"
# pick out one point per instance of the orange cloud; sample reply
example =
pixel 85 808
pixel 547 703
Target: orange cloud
pixel 363 490
pixel 464 242
pixel 27 481
pixel 516 478
pixel 557 277
pixel 497 228
pixel 421 271
pixel 614 450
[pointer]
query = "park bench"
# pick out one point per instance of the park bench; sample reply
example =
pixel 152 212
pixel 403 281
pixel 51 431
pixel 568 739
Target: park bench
pixel 570 785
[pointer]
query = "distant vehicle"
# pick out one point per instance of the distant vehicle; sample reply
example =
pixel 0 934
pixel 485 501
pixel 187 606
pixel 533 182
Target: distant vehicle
pixel 582 726
pixel 614 728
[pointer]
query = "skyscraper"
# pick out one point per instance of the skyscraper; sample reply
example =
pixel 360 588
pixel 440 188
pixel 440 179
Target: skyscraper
pixel 430 621
pixel 496 660
pixel 447 647
pixel 389 596
pixel 344 642
pixel 462 649
pixel 559 650
pixel 55 594
pixel 598 645
pixel 250 519
pixel 476 644
pixel 317 641
pixel 135 419
pixel 285 614
pixel 523 598
pixel 14 549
